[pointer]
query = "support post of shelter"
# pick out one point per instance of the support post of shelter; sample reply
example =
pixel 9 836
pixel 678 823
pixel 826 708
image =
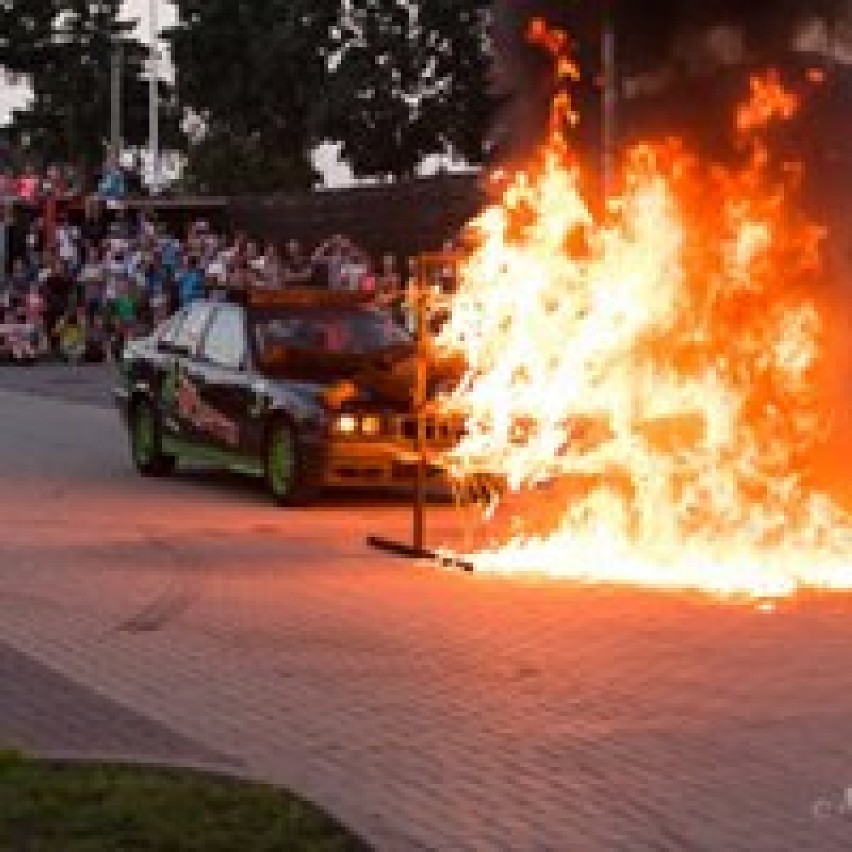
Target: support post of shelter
pixel 610 98
pixel 154 97
pixel 116 107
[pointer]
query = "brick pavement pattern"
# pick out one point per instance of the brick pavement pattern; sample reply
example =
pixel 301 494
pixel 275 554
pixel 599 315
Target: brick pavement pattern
pixel 42 712
pixel 428 710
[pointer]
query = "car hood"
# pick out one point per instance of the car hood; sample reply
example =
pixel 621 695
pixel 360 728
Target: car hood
pixel 373 385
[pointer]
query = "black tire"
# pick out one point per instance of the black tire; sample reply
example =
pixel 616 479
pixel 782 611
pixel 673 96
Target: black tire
pixel 284 465
pixel 146 441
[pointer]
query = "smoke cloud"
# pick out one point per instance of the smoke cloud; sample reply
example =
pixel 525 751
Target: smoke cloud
pixel 653 36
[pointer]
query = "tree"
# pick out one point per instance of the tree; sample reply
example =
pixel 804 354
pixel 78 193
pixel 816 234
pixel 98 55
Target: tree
pixel 65 48
pixel 411 80
pixel 26 30
pixel 254 73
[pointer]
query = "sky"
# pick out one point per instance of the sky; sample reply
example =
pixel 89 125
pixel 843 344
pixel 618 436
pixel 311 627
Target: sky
pixel 139 9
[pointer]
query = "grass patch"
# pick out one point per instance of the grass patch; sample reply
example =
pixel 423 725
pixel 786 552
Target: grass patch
pixel 48 806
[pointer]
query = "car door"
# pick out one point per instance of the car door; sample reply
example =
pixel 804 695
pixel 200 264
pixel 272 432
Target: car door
pixel 153 374
pixel 181 384
pixel 224 386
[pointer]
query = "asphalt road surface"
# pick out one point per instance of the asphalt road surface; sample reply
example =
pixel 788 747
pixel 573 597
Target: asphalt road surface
pixel 189 619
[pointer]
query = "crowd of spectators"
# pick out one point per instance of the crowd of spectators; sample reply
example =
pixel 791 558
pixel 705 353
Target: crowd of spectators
pixel 33 186
pixel 83 292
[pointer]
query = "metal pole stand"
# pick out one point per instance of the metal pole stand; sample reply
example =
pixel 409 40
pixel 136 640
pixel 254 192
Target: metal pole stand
pixel 416 550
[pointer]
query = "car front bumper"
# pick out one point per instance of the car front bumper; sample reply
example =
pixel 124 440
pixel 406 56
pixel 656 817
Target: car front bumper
pixel 352 464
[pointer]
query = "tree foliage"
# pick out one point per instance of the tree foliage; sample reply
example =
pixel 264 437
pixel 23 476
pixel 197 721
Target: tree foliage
pixel 392 81
pixel 255 73
pixel 65 48
pixel 411 80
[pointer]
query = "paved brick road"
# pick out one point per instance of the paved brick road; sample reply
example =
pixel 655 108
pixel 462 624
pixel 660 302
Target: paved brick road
pixel 43 712
pixel 428 710
pixel 89 384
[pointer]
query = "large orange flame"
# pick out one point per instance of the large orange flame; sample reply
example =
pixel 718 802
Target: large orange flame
pixel 644 379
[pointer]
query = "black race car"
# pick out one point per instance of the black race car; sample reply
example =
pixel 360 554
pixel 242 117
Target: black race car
pixel 303 389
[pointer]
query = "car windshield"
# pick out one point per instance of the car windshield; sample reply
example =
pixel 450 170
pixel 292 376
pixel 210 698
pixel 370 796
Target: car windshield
pixel 326 331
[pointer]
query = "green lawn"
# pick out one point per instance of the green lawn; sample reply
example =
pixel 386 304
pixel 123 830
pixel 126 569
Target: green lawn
pixel 48 807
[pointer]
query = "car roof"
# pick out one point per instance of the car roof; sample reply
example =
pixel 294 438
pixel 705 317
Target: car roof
pixel 263 299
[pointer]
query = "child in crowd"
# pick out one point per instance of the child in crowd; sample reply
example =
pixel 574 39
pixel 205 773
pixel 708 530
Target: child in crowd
pixel 123 313
pixel 97 341
pixel 34 306
pixel 72 332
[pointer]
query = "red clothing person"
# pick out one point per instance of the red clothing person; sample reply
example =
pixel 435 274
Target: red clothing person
pixel 27 186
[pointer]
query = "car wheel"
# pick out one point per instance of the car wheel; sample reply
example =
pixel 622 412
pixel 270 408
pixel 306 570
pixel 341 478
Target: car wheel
pixel 146 442
pixel 284 465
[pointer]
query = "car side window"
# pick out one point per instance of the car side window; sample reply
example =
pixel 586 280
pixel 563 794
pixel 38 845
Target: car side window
pixel 225 342
pixel 192 329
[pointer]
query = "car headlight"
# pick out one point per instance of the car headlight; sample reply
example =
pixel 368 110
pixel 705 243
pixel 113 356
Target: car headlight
pixel 371 426
pixel 346 424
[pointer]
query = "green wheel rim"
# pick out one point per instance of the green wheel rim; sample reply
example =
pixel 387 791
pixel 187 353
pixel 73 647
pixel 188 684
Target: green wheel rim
pixel 282 462
pixel 144 436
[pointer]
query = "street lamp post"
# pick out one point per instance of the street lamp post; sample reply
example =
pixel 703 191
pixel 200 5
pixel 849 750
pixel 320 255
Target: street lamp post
pixel 154 97
pixel 115 101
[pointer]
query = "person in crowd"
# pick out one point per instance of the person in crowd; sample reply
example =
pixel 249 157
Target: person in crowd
pixel 216 265
pixel 172 291
pixel 270 266
pixel 152 276
pixel 123 313
pixel 7 298
pixel 296 269
pixel 73 179
pixel 35 243
pixel 67 238
pixel 8 184
pixel 97 348
pixel 20 277
pixel 34 307
pixel 240 275
pixel 339 264
pixel 54 183
pixel 71 333
pixel 253 258
pixel 389 290
pixel 113 185
pixel 28 184
pixel 92 283
pixel 116 280
pixel 355 270
pixel 57 285
pixel 171 253
pixel 93 228
pixel 191 282
pixel 327 262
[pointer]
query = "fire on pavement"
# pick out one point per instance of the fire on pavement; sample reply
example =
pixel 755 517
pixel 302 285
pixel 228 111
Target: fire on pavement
pixel 646 374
